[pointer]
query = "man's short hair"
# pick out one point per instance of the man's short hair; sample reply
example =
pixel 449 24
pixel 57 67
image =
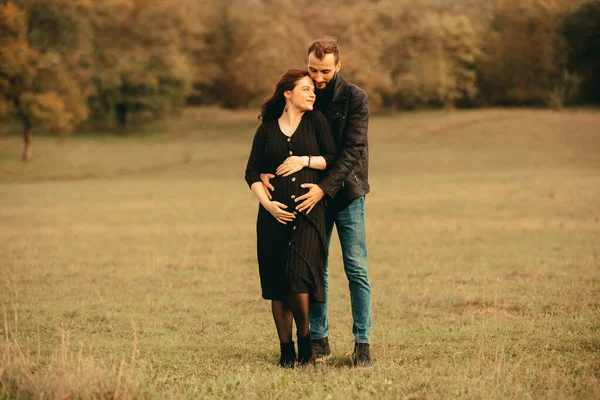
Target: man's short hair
pixel 323 46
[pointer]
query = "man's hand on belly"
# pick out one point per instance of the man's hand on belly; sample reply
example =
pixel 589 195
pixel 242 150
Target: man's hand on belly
pixel 310 199
pixel 266 181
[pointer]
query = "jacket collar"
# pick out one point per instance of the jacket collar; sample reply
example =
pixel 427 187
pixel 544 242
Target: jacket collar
pixel 339 90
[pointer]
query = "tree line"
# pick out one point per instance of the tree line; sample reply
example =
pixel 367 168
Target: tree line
pixel 66 63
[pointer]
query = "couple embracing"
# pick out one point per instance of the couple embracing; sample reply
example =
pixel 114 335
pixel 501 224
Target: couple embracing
pixel 308 168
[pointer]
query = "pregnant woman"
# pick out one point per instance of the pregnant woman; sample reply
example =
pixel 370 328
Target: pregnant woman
pixel 295 145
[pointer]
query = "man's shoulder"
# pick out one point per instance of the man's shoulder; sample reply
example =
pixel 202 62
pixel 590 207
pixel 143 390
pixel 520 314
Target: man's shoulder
pixel 355 92
pixel 359 94
pixel 352 87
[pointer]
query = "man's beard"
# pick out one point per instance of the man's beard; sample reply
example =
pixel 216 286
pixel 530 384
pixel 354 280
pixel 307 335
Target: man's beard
pixel 326 85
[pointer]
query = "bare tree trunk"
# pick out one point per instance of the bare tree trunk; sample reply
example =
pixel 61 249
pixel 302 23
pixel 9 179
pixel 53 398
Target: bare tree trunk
pixel 27 136
pixel 121 114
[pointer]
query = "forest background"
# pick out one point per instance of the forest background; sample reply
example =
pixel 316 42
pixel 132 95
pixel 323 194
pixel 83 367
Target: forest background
pixel 68 65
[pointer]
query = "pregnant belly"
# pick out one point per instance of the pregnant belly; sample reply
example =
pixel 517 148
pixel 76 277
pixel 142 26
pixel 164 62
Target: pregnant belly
pixel 287 189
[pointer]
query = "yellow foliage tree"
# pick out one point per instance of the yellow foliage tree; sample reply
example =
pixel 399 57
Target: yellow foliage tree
pixel 431 57
pixel 249 45
pixel 36 86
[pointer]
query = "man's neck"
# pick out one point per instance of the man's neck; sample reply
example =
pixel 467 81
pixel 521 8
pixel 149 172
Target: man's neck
pixel 325 96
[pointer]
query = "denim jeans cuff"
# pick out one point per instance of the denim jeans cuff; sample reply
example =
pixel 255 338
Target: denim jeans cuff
pixel 319 337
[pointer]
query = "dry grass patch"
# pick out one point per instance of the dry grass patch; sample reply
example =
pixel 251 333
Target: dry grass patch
pixel 66 373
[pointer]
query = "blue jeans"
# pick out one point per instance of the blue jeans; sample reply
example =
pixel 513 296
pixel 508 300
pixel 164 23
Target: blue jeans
pixel 351 227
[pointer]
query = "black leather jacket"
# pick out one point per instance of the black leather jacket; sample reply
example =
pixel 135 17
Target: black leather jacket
pixel 348 113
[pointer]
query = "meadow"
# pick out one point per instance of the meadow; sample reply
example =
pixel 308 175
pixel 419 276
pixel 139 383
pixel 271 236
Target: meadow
pixel 128 265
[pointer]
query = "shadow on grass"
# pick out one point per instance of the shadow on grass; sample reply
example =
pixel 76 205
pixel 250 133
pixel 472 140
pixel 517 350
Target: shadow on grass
pixel 272 359
pixel 343 361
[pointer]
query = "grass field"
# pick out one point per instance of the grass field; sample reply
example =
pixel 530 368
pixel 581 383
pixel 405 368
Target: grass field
pixel 128 265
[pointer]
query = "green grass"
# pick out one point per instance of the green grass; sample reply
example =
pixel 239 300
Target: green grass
pixel 128 263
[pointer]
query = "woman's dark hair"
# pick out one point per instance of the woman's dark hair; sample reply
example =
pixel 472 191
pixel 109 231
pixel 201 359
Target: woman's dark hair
pixel 272 107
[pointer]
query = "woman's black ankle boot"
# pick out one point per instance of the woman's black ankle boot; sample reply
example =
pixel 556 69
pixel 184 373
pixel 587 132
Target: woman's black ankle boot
pixel 305 351
pixel 288 355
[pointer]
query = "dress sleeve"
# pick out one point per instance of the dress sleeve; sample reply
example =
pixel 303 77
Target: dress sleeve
pixel 255 161
pixel 324 138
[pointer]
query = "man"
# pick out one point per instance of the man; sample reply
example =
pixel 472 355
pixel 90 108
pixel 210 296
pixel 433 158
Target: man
pixel 344 187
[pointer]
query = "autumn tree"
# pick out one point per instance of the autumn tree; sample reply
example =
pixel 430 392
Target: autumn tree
pixel 582 32
pixel 525 52
pixel 196 20
pixel 430 57
pixel 39 84
pixel 138 65
pixel 248 47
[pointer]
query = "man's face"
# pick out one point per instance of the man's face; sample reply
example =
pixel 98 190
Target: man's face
pixel 322 71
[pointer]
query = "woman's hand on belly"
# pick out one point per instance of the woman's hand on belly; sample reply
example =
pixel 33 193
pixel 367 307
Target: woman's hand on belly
pixel 291 165
pixel 277 210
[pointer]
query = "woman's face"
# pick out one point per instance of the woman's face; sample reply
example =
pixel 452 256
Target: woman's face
pixel 303 95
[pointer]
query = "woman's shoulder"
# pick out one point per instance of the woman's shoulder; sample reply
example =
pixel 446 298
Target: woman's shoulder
pixel 271 123
pixel 266 126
